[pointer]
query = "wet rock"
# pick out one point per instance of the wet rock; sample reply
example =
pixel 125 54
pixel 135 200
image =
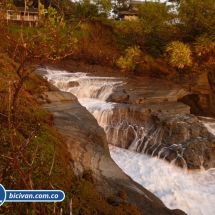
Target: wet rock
pixel 57 96
pixel 179 138
pixel 88 148
pixel 120 96
pixel 73 84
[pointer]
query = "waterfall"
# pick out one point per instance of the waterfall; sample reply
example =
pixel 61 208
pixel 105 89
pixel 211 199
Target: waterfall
pixel 133 129
pixel 83 86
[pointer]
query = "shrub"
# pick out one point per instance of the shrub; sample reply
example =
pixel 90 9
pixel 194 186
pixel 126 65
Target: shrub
pixel 179 54
pixel 204 44
pixel 122 194
pixel 130 59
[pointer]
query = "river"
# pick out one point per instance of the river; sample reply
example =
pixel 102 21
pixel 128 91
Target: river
pixel 191 191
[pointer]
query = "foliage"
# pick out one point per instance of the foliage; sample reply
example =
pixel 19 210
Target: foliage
pixel 50 16
pixel 130 59
pixel 197 16
pixel 179 54
pixel 96 45
pixel 104 6
pixel 204 44
pixel 86 9
pixel 129 33
pixel 88 201
pixel 83 10
pixel 28 140
pixel 151 31
pixel 120 5
pixel 154 11
pixel 29 145
pixel 156 22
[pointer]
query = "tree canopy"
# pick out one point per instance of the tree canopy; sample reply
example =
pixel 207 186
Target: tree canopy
pixel 197 17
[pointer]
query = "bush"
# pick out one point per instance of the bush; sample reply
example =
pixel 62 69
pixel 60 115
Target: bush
pixel 122 194
pixel 179 54
pixel 129 60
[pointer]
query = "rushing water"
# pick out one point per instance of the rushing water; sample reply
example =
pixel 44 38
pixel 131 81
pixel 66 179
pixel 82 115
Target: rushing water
pixel 190 191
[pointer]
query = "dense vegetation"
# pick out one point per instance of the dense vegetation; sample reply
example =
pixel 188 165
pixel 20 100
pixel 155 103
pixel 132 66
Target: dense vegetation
pixel 32 154
pixel 176 37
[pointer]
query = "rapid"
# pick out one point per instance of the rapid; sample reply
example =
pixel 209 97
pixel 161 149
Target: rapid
pixel 191 191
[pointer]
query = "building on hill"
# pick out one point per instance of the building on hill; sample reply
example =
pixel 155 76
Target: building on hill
pixel 29 16
pixel 131 13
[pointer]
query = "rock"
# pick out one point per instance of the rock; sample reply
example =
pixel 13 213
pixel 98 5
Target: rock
pixel 73 84
pixel 87 145
pixel 172 135
pixel 52 87
pixel 41 71
pixel 120 96
pixel 57 96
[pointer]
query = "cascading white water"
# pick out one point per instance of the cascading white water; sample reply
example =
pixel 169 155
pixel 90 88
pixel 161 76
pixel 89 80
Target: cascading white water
pixel 83 86
pixel 191 191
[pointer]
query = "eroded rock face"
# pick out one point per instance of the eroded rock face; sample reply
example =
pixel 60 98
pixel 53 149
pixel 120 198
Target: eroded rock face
pixel 167 132
pixel 87 145
pixel 201 96
pixel 202 85
pixel 147 91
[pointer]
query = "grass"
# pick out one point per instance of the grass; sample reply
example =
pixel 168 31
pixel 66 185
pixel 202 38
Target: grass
pixel 17 29
pixel 30 30
pixel 46 149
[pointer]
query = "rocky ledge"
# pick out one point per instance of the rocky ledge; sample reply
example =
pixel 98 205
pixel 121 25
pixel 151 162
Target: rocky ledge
pixel 150 119
pixel 167 131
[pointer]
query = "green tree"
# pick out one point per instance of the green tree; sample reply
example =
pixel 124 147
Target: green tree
pixel 84 10
pixel 130 33
pixel 104 6
pixel 204 47
pixel 120 5
pixel 156 21
pixel 196 17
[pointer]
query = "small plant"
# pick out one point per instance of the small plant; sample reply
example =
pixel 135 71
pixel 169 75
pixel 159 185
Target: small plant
pixel 122 194
pixel 179 54
pixel 111 199
pixel 130 59
pixel 204 44
pixel 88 175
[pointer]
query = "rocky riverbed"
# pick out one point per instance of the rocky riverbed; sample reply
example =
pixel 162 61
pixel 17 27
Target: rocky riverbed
pixel 88 148
pixel 146 117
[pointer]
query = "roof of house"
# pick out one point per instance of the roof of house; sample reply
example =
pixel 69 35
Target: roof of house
pixel 127 13
pixel 136 2
pixel 22 9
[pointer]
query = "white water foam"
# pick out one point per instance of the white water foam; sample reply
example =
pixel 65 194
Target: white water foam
pixel 83 86
pixel 210 126
pixel 191 191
